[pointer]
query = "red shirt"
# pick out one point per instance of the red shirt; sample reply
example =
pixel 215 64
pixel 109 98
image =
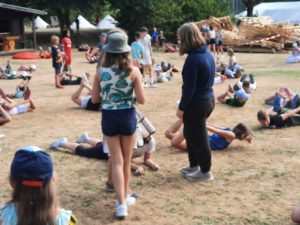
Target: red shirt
pixel 67 43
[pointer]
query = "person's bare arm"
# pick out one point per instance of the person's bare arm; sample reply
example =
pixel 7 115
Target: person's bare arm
pixel 138 85
pixel 290 113
pixel 224 133
pixel 96 89
pixel 6 117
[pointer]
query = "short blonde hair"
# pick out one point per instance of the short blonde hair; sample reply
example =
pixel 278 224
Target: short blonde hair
pixel 190 38
pixel 54 38
pixel 230 51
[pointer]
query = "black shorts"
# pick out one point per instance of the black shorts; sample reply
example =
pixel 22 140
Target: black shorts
pixel 92 106
pixel 95 152
pixel 212 41
pixel 119 122
pixel 57 68
pixel 234 102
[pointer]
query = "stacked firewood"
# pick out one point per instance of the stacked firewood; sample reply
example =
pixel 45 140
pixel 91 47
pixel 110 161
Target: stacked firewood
pixel 253 33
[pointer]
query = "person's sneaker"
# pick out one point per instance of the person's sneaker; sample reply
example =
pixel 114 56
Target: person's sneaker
pixel 121 211
pixel 109 187
pixel 152 85
pixel 58 143
pixel 251 76
pixel 84 78
pixel 130 200
pixel 188 169
pixel 243 78
pixel 199 176
pixel 83 138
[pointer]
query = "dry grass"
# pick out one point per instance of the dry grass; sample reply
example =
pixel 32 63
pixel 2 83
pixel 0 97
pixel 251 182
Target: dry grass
pixel 254 183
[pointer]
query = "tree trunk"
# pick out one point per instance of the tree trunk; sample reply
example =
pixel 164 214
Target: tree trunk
pixel 250 10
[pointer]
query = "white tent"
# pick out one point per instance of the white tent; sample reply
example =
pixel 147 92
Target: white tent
pixel 107 23
pixel 40 23
pixel 83 24
pixel 278 11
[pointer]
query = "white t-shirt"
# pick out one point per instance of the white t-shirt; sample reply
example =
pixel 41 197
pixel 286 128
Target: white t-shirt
pixel 212 33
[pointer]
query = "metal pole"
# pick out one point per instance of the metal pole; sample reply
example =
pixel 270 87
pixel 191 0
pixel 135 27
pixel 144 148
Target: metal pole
pixel 33 33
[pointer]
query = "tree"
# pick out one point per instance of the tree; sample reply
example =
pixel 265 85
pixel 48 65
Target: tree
pixel 250 5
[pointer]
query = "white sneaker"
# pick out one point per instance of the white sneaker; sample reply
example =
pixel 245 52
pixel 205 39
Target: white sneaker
pixel 188 169
pixel 58 143
pixel 121 211
pixel 130 200
pixel 199 176
pixel 152 85
pixel 83 138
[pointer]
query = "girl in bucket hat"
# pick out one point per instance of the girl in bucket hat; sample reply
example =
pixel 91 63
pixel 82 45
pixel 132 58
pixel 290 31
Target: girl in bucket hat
pixel 117 81
pixel 34 200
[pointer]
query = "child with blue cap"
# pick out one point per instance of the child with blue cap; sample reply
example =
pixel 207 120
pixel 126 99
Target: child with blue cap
pixel 34 200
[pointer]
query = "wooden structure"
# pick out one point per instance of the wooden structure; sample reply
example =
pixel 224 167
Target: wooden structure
pixel 12 31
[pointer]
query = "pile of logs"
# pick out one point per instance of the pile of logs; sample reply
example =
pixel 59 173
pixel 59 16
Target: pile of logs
pixel 253 34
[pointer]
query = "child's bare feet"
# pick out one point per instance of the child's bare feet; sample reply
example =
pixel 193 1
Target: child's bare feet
pixel 152 165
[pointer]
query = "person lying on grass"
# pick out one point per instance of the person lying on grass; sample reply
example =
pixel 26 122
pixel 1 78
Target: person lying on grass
pixel 85 102
pixel 288 119
pixel 99 150
pixel 220 139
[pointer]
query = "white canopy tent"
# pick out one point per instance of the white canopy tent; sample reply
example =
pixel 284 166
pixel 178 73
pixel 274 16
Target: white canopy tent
pixel 83 24
pixel 107 23
pixel 278 11
pixel 40 23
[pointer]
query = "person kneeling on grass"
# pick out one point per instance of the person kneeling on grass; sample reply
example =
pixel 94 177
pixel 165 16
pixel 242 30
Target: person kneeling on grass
pixel 239 98
pixel 85 102
pixel 288 119
pixel 219 140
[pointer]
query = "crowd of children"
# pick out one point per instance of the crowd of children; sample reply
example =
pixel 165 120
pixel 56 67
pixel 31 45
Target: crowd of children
pixel 118 85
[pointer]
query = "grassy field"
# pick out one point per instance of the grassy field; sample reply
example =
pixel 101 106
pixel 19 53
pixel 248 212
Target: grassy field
pixel 255 183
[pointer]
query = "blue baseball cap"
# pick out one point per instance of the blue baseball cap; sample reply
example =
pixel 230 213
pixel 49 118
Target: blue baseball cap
pixel 32 166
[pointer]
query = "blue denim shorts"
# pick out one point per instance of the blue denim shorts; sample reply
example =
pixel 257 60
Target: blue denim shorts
pixel 118 122
pixel 57 68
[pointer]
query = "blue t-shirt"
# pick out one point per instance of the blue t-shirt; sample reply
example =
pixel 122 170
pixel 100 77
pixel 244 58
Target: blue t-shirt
pixel 155 36
pixel 217 142
pixel 137 50
pixel 241 94
pixel 54 53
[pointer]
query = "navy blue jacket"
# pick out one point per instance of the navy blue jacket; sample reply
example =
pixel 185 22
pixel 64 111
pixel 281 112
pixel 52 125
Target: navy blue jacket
pixel 198 76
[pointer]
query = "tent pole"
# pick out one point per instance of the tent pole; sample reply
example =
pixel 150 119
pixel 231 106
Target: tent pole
pixel 33 33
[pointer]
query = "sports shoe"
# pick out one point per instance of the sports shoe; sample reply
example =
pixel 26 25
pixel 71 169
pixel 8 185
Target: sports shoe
pixel 121 211
pixel 58 143
pixel 84 78
pixel 251 76
pixel 83 138
pixel 188 169
pixel 243 78
pixel 130 200
pixel 152 85
pixel 109 187
pixel 199 176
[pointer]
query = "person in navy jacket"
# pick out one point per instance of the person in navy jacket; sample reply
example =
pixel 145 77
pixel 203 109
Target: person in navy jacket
pixel 197 100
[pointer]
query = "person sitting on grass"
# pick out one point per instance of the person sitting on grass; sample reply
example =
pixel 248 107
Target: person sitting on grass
pixel 30 69
pixel 163 77
pixel 219 140
pixel 288 119
pixel 85 102
pixel 4 116
pixel 22 89
pixel 34 199
pixel 239 98
pixel 295 216
pixel 94 55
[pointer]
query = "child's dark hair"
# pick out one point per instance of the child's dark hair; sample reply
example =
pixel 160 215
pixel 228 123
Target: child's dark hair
pixel 242 131
pixel 64 32
pixel 262 115
pixel 236 87
pixel 137 35
pixel 211 27
pixel 246 84
pixel 143 29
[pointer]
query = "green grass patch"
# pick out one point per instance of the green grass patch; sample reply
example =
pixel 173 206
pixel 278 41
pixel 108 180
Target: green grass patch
pixel 282 73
